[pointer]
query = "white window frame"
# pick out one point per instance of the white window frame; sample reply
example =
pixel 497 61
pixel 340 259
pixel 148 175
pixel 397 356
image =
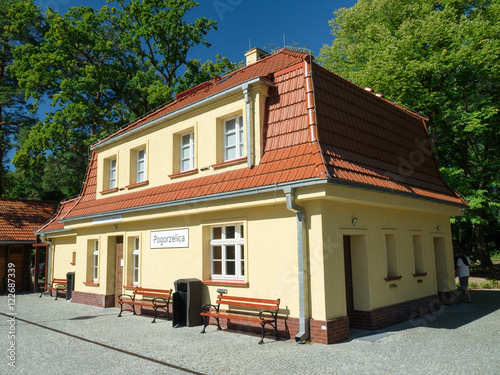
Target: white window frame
pixel 95 262
pixel 224 244
pixel 141 165
pixel 112 173
pixel 189 146
pixel 238 145
pixel 135 261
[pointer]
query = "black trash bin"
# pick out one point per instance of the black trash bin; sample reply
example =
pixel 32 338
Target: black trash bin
pixel 187 303
pixel 70 284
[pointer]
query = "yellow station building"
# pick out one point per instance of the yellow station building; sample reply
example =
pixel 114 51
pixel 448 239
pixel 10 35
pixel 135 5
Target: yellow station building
pixel 279 180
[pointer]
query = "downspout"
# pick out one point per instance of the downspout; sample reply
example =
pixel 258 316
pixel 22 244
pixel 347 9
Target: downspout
pixel 249 126
pixel 303 334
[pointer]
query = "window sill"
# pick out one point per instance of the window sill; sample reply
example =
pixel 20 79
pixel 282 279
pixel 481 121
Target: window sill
pixel 393 278
pixel 90 283
pixel 420 274
pixel 229 162
pixel 225 283
pixel 108 191
pixel 185 173
pixel 137 184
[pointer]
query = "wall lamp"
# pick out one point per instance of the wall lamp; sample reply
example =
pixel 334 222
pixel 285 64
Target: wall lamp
pixel 354 221
pixel 438 228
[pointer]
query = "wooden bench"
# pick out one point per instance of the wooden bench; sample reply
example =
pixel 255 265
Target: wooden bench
pixel 262 311
pixel 59 285
pixel 155 298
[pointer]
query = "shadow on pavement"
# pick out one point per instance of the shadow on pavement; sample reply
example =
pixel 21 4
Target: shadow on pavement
pixel 484 303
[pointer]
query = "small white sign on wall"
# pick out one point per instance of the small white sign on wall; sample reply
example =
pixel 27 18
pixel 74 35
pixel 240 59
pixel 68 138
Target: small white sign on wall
pixel 170 239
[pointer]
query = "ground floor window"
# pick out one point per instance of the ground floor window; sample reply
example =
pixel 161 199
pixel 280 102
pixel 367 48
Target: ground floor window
pixel 95 255
pixel 135 256
pixel 227 252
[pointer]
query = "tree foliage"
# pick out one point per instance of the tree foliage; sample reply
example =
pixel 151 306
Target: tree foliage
pixel 442 58
pixel 14 113
pixel 101 69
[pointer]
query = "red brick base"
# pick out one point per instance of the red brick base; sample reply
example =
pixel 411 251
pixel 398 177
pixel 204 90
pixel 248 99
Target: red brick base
pixel 389 315
pixel 322 332
pixel 93 299
pixel 329 331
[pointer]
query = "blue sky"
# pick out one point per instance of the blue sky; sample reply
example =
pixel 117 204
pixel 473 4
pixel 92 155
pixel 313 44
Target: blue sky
pixel 245 24
pixel 250 23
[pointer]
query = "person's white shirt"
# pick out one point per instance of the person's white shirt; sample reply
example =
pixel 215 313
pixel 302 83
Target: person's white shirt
pixel 463 271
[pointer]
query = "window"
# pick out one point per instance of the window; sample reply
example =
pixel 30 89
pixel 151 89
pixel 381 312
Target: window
pixel 95 256
pixel 141 165
pixel 112 173
pixel 418 255
pixel 135 256
pixel 233 138
pixel 391 255
pixel 227 252
pixel 187 152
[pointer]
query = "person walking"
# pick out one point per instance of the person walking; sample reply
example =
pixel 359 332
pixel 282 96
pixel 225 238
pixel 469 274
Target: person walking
pixel 462 271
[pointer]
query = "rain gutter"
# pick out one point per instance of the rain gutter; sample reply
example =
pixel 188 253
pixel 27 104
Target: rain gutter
pixel 198 200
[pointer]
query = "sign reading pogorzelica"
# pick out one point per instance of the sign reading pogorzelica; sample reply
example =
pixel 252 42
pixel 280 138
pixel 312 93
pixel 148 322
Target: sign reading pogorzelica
pixel 169 239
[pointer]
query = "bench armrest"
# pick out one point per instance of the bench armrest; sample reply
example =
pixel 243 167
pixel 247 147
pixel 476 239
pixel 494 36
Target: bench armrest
pixel 165 300
pixel 207 306
pixel 274 314
pixel 130 296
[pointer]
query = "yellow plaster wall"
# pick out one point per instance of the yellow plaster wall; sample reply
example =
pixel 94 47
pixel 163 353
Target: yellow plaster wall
pixel 162 149
pixel 371 290
pixel 61 254
pixel 270 242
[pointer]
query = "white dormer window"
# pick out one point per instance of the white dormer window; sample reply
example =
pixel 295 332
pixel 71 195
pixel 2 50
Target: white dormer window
pixel 187 152
pixel 141 165
pixel 233 138
pixel 112 173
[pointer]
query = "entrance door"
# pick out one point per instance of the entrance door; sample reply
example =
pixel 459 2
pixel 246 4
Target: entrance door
pixel 348 281
pixel 118 269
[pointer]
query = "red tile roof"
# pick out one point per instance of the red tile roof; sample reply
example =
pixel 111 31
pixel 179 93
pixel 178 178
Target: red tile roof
pixel 363 139
pixel 20 218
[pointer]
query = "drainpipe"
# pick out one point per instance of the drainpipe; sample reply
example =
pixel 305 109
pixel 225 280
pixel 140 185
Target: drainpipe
pixel 303 334
pixel 249 126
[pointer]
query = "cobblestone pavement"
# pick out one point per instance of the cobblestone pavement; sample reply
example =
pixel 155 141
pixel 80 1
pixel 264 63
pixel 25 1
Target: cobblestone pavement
pixel 58 337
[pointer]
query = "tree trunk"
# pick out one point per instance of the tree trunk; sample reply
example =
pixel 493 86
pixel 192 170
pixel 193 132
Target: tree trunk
pixel 482 250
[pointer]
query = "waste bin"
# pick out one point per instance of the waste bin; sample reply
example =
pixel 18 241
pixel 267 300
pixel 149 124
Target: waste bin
pixel 187 303
pixel 70 284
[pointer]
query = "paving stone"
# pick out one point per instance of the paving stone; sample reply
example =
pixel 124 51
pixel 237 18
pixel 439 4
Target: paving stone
pixel 58 337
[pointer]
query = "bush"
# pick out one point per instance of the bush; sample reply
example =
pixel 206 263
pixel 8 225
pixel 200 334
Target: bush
pixel 474 285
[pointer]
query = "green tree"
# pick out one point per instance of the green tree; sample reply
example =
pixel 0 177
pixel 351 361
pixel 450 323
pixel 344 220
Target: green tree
pixel 14 113
pixel 101 69
pixel 442 58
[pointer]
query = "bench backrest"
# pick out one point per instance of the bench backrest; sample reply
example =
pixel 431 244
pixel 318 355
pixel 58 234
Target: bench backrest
pixel 59 281
pixel 153 293
pixel 255 303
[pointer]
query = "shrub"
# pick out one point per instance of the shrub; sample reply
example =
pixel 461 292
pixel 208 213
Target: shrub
pixel 474 285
